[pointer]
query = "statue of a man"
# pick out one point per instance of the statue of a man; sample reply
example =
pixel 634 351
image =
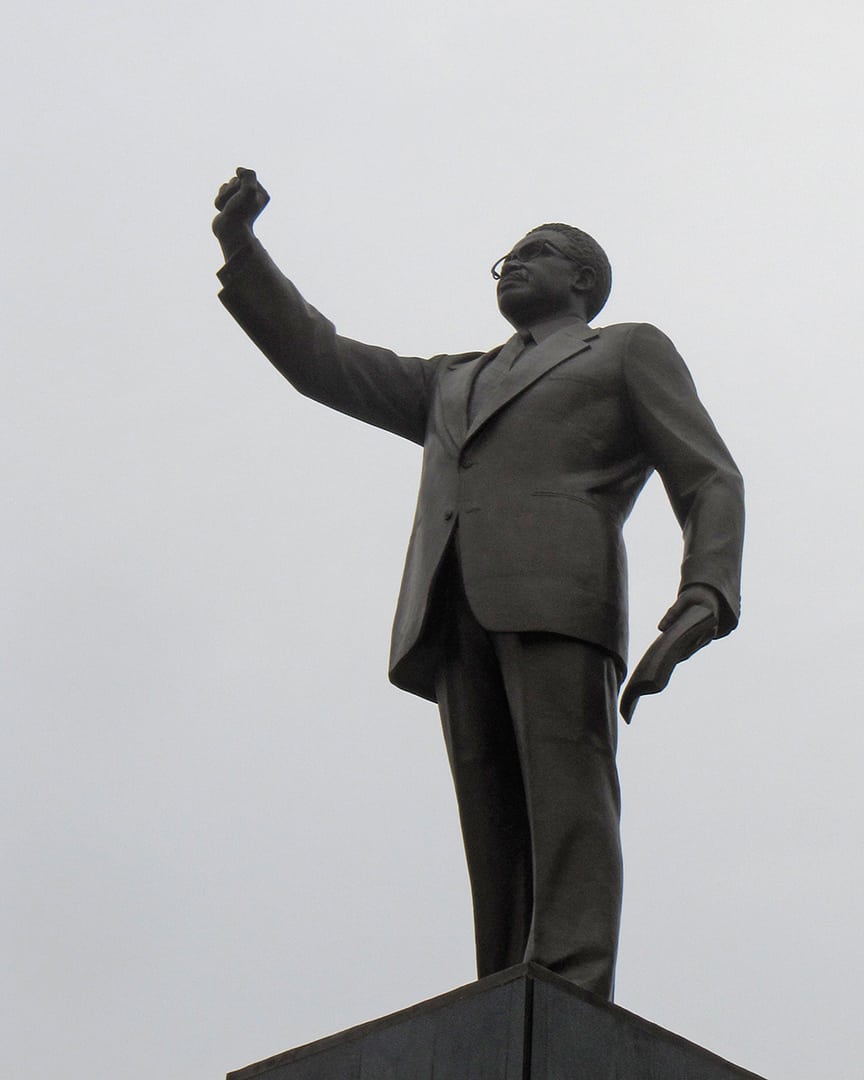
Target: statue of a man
pixel 512 614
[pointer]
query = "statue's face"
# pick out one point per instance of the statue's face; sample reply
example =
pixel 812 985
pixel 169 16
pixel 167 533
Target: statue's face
pixel 536 279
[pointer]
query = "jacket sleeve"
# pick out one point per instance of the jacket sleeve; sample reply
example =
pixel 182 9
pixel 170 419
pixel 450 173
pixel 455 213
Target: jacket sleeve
pixel 369 383
pixel 701 479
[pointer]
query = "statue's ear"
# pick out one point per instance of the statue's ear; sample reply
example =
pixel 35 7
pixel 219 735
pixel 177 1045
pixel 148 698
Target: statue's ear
pixel 584 279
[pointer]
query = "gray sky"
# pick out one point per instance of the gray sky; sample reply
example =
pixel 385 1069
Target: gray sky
pixel 223 832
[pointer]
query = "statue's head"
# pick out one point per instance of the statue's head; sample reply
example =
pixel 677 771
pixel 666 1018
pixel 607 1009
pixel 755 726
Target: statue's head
pixel 555 269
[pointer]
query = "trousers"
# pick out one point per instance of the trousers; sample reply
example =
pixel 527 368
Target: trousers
pixel 530 726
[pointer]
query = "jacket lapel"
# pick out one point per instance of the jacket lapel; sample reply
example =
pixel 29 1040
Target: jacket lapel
pixel 529 368
pixel 456 390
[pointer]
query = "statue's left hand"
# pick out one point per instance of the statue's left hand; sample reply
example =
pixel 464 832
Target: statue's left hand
pixel 687 626
pixel 687 598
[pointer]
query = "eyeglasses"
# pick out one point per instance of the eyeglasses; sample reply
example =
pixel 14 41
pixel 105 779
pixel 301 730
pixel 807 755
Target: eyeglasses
pixel 532 249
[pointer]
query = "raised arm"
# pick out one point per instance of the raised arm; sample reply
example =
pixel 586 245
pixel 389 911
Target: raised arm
pixel 369 383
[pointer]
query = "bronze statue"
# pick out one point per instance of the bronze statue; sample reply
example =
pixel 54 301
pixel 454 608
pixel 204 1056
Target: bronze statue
pixel 512 614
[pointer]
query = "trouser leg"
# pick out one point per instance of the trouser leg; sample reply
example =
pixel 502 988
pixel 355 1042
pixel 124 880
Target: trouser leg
pixel 530 725
pixel 484 760
pixel 562 700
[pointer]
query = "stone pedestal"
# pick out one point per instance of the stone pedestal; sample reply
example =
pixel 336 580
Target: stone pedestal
pixel 521 1024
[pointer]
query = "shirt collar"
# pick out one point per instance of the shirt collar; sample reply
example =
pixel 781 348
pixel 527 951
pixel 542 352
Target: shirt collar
pixel 547 327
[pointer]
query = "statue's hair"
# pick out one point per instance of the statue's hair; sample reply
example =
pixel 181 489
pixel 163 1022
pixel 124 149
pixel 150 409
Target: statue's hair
pixel 579 245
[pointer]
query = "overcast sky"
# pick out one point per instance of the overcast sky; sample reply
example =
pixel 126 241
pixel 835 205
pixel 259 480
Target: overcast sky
pixel 223 832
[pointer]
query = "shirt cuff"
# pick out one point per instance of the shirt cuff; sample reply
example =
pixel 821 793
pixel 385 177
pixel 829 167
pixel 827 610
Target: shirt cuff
pixel 236 264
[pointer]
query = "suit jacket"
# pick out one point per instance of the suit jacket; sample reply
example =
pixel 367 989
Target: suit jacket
pixel 541 482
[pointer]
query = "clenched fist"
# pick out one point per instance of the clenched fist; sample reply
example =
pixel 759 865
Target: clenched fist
pixel 239 203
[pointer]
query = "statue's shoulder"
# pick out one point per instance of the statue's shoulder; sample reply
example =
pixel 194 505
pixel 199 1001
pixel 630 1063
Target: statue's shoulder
pixel 451 361
pixel 613 339
pixel 635 337
pixel 623 330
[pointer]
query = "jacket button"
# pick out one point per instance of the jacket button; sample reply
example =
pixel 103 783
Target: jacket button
pixel 467 464
pixel 448 515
